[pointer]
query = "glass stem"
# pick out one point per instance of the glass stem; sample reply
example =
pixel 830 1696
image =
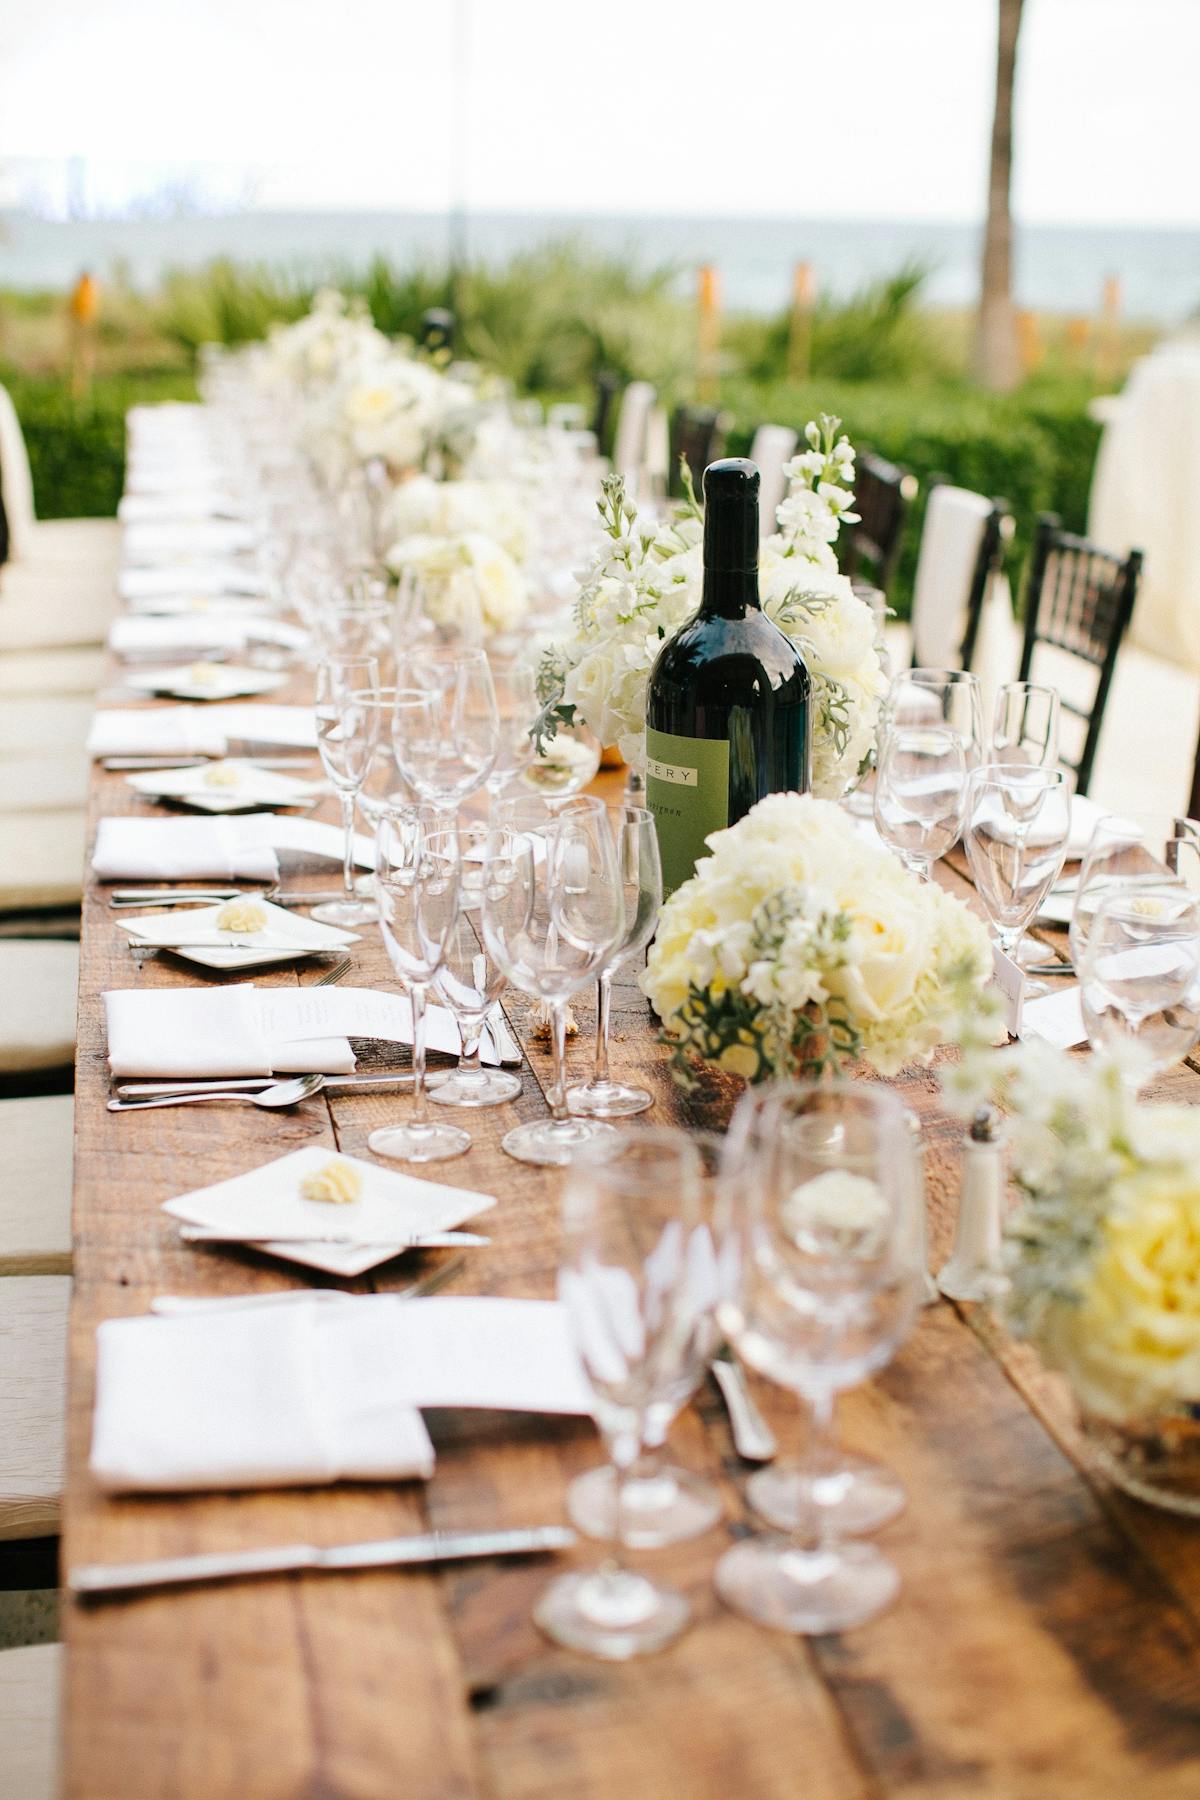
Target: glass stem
pixel 420 1111
pixel 347 799
pixel 813 1532
pixel 600 1076
pixel 557 1096
pixel 469 1066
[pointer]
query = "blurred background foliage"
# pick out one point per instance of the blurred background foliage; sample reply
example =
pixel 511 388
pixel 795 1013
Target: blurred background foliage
pixel 550 320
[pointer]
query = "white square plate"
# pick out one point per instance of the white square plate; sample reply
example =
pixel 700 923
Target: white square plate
pixel 193 933
pixel 252 787
pixel 268 1199
pixel 221 681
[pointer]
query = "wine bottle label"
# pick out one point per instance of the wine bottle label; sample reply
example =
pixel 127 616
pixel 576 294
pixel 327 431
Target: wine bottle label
pixel 687 790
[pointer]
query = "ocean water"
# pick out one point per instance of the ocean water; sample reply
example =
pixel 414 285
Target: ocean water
pixel 1058 268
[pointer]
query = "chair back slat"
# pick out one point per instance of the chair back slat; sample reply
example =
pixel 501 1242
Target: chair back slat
pixel 697 433
pixel 1079 599
pixel 883 494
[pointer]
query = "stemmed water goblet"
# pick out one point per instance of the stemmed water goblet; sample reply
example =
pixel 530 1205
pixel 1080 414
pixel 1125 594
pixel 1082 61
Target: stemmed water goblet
pixel 1139 975
pixel 347 715
pixel 641 884
pixel 947 698
pixel 628 1284
pixel 445 726
pixel 417 871
pixel 830 1278
pixel 920 792
pixel 469 984
pixel 1018 823
pixel 1131 853
pixel 551 913
pixel 1025 724
pixel 517 710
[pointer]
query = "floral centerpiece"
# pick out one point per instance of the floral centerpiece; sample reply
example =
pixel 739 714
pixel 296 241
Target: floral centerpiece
pixel 799 943
pixel 1102 1255
pixel 646 583
pixel 467 580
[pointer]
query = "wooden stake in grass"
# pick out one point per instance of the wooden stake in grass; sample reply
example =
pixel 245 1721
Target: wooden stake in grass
pixel 708 297
pixel 804 299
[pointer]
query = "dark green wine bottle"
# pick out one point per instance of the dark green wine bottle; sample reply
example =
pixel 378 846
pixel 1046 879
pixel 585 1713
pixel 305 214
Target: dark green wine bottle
pixel 728 712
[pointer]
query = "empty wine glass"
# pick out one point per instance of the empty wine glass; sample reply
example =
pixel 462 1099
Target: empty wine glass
pixel 383 785
pixel 469 983
pixel 445 727
pixel 946 697
pixel 551 913
pixel 1025 724
pixel 829 1286
pixel 347 723
pixel 1018 822
pixel 920 792
pixel 627 1283
pixel 1139 976
pixel 516 709
pixel 664 1504
pixel 1131 852
pixel 417 884
pixel 641 884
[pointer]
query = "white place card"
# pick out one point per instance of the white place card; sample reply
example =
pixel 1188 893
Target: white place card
pixel 1056 1018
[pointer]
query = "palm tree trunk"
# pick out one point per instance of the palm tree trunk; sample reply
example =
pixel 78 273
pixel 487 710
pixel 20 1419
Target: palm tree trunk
pixel 997 359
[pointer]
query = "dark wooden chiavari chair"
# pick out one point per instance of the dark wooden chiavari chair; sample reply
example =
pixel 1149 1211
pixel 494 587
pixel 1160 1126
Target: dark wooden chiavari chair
pixel 697 433
pixel 883 494
pixel 1080 599
pixel 608 386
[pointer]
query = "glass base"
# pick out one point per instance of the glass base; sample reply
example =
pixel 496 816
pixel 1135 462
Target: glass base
pixel 345 912
pixel 608 1100
pixel 611 1613
pixel 805 1591
pixel 492 1088
pixel 552 1144
pixel 858 1496
pixel 667 1507
pixel 419 1143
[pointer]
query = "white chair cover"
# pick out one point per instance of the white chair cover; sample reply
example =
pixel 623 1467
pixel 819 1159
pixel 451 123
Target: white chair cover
pixel 773 446
pixel 633 421
pixel 16 481
pixel 955 519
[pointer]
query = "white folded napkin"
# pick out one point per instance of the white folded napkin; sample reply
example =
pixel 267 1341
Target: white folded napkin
pixel 243 847
pixel 157 542
pixel 186 505
pixel 156 731
pixel 245 1030
pixel 188 633
pixel 254 1397
pixel 209 577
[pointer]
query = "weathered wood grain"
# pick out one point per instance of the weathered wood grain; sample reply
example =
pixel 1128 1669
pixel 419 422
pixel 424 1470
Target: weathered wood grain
pixel 1044 1646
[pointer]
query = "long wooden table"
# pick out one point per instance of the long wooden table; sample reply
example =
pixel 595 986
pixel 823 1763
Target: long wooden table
pixel 1045 1640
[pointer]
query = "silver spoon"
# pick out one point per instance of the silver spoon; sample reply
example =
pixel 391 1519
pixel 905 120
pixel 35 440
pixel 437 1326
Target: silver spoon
pixel 284 1093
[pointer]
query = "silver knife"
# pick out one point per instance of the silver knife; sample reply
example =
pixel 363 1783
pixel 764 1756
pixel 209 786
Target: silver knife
pixel 96 1581
pixel 753 1438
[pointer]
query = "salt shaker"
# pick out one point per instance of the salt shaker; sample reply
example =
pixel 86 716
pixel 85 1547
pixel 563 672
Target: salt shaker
pixel 929 1292
pixel 973 1271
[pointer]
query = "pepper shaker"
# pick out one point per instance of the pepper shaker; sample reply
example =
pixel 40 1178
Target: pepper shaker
pixel 973 1271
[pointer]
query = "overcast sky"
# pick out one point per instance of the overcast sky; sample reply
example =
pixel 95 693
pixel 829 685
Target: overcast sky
pixel 879 108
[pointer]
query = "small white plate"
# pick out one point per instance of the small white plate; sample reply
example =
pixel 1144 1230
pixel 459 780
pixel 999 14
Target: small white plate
pixel 253 787
pixel 193 932
pixel 268 1199
pixel 223 681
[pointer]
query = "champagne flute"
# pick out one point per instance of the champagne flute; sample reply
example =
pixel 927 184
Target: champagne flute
pixel 1018 822
pixel 1139 976
pixel 551 915
pixel 626 1281
pixel 829 1285
pixel 417 881
pixel 642 892
pixel 1025 724
pixel 347 726
pixel 920 793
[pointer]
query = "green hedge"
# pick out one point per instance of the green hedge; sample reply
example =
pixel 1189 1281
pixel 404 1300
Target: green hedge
pixel 1035 449
pixel 77 447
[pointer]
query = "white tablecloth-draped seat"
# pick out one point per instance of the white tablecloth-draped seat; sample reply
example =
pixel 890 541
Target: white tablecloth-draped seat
pixel 33 1383
pixel 30 1687
pixel 51 672
pixel 41 861
pixel 44 783
pixel 50 543
pixel 48 611
pixel 39 980
pixel 35 1199
pixel 31 724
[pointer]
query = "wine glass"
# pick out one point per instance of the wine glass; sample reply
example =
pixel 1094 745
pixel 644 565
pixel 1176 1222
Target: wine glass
pixel 347 725
pixel 551 914
pixel 1025 724
pixel 627 1283
pixel 664 1504
pixel 469 984
pixel 517 709
pixel 947 697
pixel 1018 822
pixel 829 1287
pixel 642 893
pixel 920 792
pixel 1139 976
pixel 1143 851
pixel 417 883
pixel 565 763
pixel 445 726
pixel 383 785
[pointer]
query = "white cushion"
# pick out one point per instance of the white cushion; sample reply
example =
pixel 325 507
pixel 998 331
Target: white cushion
pixel 16 482
pixel 69 671
pixel 39 981
pixel 41 860
pixel 43 784
pixel 33 1388
pixel 33 722
pixel 35 1203
pixel 773 446
pixel 952 532
pixel 40 611
pixel 633 426
pixel 67 543
pixel 30 1690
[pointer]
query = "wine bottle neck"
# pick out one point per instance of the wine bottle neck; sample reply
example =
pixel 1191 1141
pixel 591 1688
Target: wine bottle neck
pixel 730 593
